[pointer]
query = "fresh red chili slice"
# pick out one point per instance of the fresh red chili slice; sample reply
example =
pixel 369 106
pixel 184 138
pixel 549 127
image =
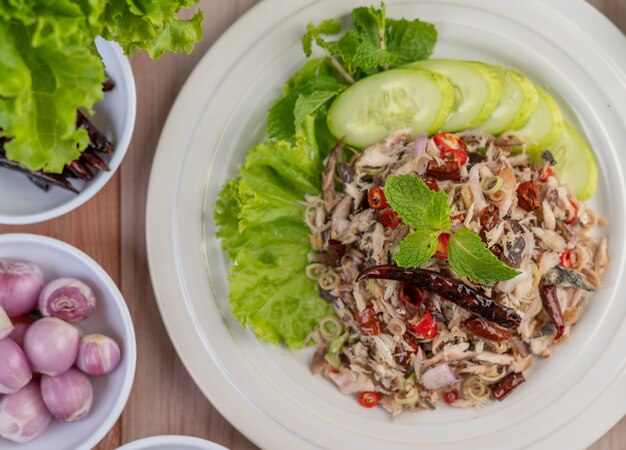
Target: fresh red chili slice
pixel 545 174
pixel 442 246
pixel 411 294
pixel 432 184
pixel 451 145
pixel 572 219
pixel 368 399
pixel 390 219
pixel 451 396
pixel 459 217
pixel 376 198
pixel 425 327
pixel 368 320
pixel 566 258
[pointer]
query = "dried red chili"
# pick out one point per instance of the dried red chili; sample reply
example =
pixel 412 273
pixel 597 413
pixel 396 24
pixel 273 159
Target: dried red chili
pixel 369 323
pixel 489 217
pixel 449 169
pixel 411 294
pixel 449 289
pixel 551 304
pixel 527 195
pixel 505 386
pixel 482 328
pixel 334 254
pixel 432 184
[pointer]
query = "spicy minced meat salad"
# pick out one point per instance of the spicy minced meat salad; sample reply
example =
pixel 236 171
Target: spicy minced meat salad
pixel 451 262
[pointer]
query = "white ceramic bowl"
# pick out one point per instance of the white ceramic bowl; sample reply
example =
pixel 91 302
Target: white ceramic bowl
pixel 111 318
pixel 171 443
pixel 22 202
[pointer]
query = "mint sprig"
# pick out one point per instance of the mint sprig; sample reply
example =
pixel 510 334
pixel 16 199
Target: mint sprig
pixel 469 257
pixel 428 213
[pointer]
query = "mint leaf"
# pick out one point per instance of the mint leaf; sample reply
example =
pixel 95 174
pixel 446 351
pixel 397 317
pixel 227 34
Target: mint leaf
pixel 313 33
pixel 369 23
pixel 469 257
pixel 358 54
pixel 310 103
pixel 281 118
pixel 417 248
pixel 410 40
pixel 416 204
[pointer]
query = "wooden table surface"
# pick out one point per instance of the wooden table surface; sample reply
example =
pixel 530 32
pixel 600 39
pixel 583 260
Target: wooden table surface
pixel 110 228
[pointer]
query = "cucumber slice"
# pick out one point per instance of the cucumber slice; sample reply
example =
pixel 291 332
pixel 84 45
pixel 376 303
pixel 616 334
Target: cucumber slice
pixel 477 86
pixel 575 164
pixel 519 99
pixel 545 125
pixel 374 107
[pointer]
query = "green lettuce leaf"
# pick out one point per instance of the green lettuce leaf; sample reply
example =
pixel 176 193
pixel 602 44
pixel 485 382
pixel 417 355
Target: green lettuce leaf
pixel 40 98
pixel 260 216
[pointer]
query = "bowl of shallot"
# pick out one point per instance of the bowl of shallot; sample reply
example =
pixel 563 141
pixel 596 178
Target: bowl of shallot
pixel 67 346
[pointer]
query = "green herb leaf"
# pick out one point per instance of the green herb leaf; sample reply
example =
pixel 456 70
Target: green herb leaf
pixel 314 81
pixel 417 248
pixel 370 24
pixel 410 40
pixel 469 257
pixel 313 33
pixel 416 204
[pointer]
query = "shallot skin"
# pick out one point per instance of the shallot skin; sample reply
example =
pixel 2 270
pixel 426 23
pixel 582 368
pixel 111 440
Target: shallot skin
pixel 97 355
pixel 24 415
pixel 51 345
pixel 20 285
pixel 6 326
pixel 15 372
pixel 67 298
pixel 68 396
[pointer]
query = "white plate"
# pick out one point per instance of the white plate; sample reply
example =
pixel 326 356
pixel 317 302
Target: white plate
pixel 171 443
pixel 268 392
pixel 22 202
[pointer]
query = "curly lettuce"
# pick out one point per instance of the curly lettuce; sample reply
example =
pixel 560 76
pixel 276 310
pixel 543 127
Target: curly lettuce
pixel 260 215
pixel 49 66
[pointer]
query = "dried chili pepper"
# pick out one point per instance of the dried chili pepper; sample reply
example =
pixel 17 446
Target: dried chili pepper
pixel 97 139
pixel 369 323
pixel 447 170
pixel 505 386
pixel 489 217
pixel 432 184
pixel 527 195
pixel 411 294
pixel 482 328
pixel 551 304
pixel 452 290
pixel 335 252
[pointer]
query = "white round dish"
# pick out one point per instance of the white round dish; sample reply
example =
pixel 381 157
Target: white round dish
pixel 111 318
pixel 268 392
pixel 22 202
pixel 171 442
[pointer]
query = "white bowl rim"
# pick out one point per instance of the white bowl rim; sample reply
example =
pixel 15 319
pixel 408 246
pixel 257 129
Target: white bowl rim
pixel 130 347
pixel 170 439
pixel 121 147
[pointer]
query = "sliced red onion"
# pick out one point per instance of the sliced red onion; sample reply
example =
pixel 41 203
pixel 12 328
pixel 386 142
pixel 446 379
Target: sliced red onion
pixel 67 396
pixel 20 285
pixel 439 376
pixel 23 415
pixel 68 299
pixel 98 354
pixel 51 345
pixel 419 144
pixel 6 326
pixel 20 325
pixel 15 372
